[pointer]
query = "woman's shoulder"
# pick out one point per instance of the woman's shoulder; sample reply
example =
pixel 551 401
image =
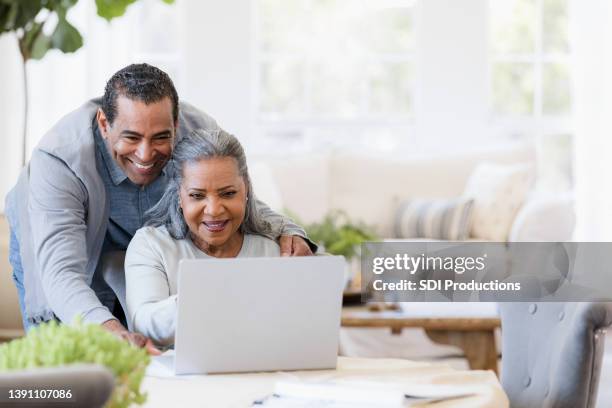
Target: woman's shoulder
pixel 258 245
pixel 152 235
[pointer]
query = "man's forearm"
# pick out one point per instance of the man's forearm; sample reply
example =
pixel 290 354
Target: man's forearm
pixel 283 225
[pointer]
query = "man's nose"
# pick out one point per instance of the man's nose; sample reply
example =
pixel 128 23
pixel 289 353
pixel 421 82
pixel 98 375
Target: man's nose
pixel 145 152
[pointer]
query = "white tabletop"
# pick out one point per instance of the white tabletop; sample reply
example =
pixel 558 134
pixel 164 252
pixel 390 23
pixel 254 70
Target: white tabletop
pixel 240 390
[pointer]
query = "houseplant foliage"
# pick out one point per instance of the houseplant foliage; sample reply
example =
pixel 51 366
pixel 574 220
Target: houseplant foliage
pixel 53 344
pixel 43 25
pixel 338 234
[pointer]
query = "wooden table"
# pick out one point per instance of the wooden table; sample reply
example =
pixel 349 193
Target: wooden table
pixel 475 336
pixel 240 390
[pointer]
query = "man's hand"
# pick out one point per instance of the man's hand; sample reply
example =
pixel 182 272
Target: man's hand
pixel 136 339
pixel 294 245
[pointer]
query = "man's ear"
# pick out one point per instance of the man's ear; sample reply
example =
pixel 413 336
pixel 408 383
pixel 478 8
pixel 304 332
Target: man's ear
pixel 103 124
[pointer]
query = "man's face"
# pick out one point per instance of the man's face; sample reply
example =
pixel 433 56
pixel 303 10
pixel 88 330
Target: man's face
pixel 141 137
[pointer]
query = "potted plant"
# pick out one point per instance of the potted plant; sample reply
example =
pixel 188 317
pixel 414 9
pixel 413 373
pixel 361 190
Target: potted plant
pixel 53 345
pixel 337 234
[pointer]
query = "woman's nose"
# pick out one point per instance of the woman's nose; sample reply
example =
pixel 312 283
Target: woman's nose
pixel 214 207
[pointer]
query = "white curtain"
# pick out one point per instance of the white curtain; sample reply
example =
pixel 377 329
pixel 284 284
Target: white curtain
pixel 591 42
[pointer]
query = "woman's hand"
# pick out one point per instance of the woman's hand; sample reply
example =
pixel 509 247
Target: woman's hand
pixel 294 245
pixel 136 339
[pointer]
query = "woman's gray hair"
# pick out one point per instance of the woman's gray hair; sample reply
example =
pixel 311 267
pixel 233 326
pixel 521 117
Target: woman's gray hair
pixel 202 145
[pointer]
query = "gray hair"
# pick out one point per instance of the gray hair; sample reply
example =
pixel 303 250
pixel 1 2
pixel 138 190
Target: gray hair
pixel 202 145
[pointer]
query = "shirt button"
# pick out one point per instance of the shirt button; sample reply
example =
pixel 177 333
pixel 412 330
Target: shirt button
pixel 561 315
pixel 527 381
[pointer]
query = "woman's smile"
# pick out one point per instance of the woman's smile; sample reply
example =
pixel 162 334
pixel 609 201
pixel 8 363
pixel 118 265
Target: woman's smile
pixel 215 226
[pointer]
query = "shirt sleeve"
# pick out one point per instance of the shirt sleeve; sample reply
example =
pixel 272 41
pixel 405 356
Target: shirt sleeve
pixel 151 308
pixel 282 225
pixel 57 208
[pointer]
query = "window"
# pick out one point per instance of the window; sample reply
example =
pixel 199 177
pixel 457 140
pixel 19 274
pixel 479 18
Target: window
pixel 334 66
pixel 530 80
pixel 159 47
pixel 529 54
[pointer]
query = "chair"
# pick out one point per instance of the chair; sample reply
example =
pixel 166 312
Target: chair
pixel 552 353
pixel 90 385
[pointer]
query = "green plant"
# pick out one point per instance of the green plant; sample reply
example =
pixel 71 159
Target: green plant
pixel 32 20
pixel 339 234
pixel 52 344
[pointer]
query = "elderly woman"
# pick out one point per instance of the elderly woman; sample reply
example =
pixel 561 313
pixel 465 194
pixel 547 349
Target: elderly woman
pixel 208 210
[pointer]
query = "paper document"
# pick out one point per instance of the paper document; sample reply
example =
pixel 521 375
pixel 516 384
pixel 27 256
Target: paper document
pixel 356 394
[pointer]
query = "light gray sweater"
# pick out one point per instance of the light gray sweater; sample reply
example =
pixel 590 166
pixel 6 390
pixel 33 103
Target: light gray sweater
pixel 151 271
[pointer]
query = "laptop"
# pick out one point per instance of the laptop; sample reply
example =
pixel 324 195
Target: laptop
pixel 258 314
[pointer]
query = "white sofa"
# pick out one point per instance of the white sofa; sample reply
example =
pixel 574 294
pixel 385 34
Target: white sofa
pixel 370 188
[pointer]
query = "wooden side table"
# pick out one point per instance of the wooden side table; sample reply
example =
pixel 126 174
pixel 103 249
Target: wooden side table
pixel 475 336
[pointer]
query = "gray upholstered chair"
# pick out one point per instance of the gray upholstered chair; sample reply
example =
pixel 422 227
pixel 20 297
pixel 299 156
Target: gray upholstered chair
pixel 90 385
pixel 552 353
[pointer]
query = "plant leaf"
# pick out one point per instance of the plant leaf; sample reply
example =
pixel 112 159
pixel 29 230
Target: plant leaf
pixel 29 38
pixel 109 9
pixel 66 37
pixel 40 46
pixel 61 7
pixel 8 16
pixel 26 12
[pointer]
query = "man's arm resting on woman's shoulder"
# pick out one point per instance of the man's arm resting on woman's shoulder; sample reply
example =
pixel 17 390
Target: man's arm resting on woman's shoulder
pixel 292 238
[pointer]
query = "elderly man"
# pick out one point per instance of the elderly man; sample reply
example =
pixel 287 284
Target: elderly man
pixel 86 191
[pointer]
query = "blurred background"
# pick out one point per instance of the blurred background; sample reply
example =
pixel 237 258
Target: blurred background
pixel 390 77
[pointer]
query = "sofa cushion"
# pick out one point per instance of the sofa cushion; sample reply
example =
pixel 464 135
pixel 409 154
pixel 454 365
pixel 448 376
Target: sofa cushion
pixel 545 217
pixel 498 192
pixel 436 219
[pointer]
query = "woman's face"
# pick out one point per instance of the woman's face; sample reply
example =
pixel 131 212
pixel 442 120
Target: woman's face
pixel 213 198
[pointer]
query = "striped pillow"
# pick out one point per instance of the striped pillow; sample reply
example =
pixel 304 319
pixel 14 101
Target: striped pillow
pixel 435 219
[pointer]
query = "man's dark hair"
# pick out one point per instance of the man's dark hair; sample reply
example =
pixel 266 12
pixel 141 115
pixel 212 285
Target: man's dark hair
pixel 141 82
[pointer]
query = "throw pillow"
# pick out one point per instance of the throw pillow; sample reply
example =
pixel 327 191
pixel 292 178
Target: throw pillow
pixel 498 191
pixel 434 219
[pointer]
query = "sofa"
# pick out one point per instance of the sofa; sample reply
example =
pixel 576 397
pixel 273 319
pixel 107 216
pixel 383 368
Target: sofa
pixel 370 188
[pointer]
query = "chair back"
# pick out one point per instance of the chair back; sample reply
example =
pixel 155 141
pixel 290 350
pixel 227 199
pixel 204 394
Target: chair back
pixel 552 353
